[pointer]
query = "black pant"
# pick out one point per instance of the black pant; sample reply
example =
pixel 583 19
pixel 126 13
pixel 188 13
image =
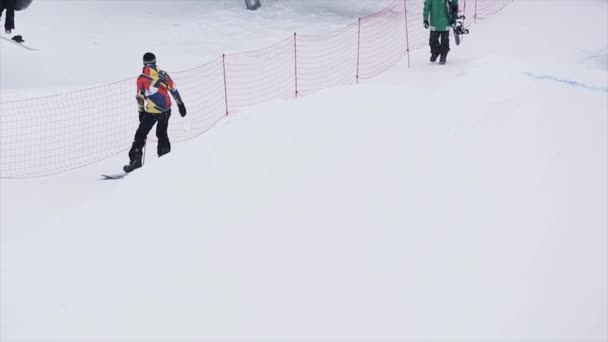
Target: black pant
pixel 145 125
pixel 9 5
pixel 440 42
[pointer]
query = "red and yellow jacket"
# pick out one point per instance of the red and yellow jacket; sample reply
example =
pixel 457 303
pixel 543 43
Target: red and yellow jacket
pixel 153 88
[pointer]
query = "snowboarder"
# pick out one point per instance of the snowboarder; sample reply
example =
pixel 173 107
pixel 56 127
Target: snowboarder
pixel 154 103
pixel 439 12
pixel 9 22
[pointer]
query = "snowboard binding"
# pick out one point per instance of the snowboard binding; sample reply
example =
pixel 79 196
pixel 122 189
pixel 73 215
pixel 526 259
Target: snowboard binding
pixel 18 39
pixel 458 26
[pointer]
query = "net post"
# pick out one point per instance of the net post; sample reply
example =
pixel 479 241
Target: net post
pixel 295 62
pixel 407 35
pixel 225 83
pixel 358 48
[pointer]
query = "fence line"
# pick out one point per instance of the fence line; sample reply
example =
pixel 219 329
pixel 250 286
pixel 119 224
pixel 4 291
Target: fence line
pixel 54 134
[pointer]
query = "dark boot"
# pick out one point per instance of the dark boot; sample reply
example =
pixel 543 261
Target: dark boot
pixel 133 164
pixel 445 46
pixel 163 150
pixel 135 156
pixel 434 57
pixel 163 147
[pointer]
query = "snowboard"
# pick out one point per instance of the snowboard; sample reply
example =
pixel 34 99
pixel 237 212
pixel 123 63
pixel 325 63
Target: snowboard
pixel 458 29
pixel 22 44
pixel 456 21
pixel 114 176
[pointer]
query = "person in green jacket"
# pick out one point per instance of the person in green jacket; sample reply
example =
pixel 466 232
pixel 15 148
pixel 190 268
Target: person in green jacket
pixel 440 14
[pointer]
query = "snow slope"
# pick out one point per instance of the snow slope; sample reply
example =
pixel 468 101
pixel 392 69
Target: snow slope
pixel 95 42
pixel 465 202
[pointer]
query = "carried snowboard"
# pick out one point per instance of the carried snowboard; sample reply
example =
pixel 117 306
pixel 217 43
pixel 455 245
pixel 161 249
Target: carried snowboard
pixel 456 21
pixel 458 29
pixel 18 40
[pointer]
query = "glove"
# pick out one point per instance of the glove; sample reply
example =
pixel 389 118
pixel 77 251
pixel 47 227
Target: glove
pixel 454 8
pixel 142 114
pixel 453 15
pixel 182 109
pixel 426 24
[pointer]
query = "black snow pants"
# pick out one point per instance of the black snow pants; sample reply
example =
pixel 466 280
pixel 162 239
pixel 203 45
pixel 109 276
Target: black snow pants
pixel 9 5
pixel 146 123
pixel 440 42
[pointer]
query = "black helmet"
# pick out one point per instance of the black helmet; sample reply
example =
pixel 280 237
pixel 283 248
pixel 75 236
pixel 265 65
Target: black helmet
pixel 149 58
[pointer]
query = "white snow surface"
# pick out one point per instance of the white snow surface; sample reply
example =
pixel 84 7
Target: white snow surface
pixel 466 202
pixel 94 42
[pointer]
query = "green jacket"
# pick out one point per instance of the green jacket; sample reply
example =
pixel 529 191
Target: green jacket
pixel 437 10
